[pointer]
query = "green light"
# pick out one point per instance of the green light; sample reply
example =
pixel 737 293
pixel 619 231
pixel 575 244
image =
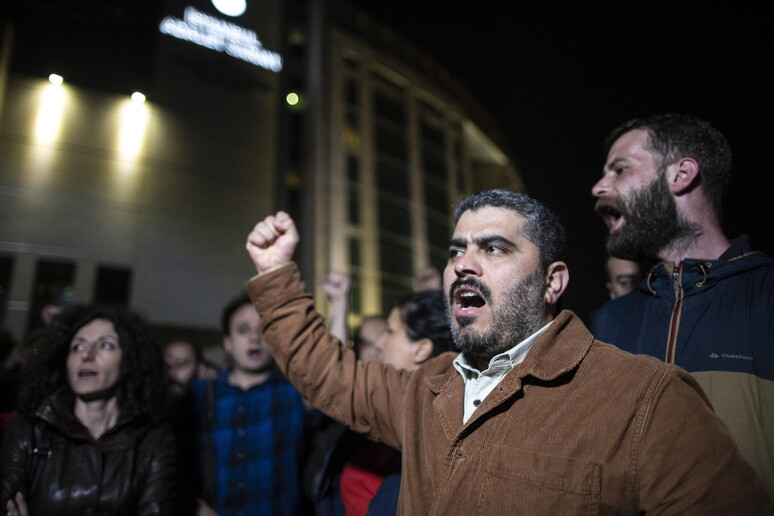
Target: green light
pixel 292 99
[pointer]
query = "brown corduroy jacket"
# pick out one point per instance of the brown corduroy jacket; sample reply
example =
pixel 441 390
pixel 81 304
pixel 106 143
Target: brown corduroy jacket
pixel 579 427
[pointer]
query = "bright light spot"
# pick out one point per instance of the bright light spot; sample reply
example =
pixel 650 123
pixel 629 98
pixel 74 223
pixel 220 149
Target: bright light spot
pixel 134 118
pixel 49 119
pixel 138 98
pixel 292 99
pixel 55 79
pixel 230 7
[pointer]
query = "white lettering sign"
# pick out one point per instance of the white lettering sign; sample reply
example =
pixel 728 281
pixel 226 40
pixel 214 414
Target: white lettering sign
pixel 211 32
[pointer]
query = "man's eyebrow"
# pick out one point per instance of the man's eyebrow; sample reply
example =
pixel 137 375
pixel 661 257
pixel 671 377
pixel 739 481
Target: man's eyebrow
pixel 615 162
pixel 484 241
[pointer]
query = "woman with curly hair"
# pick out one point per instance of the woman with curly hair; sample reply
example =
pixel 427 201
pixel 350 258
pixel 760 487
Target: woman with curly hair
pixel 91 437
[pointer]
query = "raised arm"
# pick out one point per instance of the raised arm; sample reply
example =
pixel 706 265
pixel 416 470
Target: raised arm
pixel 336 287
pixel 367 397
pixel 272 242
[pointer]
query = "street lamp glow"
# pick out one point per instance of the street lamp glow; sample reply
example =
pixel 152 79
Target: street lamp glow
pixel 230 7
pixel 138 98
pixel 292 99
pixel 55 79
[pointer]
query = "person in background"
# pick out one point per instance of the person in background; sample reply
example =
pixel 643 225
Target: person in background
pixel 427 278
pixel 182 358
pixel 248 426
pixel 34 342
pixel 361 476
pixel 623 276
pixel 371 328
pixel 90 437
pixel 708 304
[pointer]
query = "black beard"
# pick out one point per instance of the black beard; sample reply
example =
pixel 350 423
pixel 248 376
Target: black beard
pixel 519 315
pixel 652 223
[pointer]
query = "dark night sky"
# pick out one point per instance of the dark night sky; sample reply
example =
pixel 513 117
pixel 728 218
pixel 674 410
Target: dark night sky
pixel 559 78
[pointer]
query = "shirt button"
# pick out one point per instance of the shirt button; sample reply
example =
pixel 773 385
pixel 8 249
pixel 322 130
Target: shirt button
pixel 476 403
pixel 241 432
pixel 241 410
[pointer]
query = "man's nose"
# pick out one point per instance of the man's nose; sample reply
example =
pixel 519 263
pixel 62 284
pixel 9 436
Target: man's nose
pixel 601 187
pixel 467 265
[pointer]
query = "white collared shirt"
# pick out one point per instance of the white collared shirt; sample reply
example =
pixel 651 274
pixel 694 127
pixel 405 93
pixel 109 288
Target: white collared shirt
pixel 479 384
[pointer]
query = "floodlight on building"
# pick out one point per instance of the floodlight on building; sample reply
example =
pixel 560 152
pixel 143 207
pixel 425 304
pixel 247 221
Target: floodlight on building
pixel 134 119
pixel 51 110
pixel 55 79
pixel 292 98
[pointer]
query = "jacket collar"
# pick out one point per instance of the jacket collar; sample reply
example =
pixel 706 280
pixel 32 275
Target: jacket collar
pixel 697 275
pixel 559 350
pixel 57 410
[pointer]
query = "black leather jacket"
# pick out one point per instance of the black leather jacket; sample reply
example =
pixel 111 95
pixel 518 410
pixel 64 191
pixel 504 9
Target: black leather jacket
pixel 61 469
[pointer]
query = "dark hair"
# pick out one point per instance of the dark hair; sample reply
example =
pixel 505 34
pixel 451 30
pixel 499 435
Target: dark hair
pixel 140 389
pixel 424 316
pixel 542 226
pixel 673 137
pixel 228 312
pixel 195 347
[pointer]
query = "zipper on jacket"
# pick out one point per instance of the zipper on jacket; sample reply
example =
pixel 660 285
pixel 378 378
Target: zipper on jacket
pixel 674 321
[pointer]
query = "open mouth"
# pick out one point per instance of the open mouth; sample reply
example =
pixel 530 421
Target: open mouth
pixel 254 353
pixel 468 296
pixel 611 214
pixel 467 299
pixel 86 374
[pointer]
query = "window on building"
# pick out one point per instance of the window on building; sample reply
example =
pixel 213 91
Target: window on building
pixel 54 285
pixel 435 190
pixel 353 197
pixel 394 187
pixel 112 286
pixel 6 273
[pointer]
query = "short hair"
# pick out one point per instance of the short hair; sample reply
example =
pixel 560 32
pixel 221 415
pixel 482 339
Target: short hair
pixel 542 226
pixel 194 345
pixel 424 316
pixel 140 389
pixel 676 136
pixel 228 312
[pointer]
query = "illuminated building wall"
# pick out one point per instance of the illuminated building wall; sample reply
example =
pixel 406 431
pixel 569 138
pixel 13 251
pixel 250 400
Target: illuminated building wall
pixel 105 198
pixel 402 142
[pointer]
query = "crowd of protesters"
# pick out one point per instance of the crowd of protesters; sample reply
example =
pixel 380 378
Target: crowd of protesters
pixel 530 414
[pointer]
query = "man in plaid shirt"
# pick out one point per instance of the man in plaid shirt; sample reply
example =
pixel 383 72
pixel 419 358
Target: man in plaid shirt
pixel 249 426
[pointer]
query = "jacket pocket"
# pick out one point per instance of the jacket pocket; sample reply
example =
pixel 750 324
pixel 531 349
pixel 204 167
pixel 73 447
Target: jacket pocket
pixel 524 482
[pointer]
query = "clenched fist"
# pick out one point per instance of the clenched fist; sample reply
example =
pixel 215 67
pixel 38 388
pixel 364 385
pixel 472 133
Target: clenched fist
pixel 272 241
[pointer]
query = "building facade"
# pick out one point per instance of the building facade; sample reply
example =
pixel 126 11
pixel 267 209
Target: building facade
pixel 106 199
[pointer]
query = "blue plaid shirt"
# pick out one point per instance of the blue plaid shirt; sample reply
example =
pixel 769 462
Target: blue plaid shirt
pixel 255 444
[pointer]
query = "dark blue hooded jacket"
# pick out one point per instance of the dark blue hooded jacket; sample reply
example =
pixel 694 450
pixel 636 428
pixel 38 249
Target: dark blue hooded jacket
pixel 715 319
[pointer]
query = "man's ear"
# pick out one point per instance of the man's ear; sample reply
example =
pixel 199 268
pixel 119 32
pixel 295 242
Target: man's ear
pixel 227 344
pixel 683 175
pixel 557 278
pixel 423 350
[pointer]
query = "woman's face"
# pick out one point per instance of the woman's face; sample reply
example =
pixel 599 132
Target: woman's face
pixel 94 360
pixel 397 348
